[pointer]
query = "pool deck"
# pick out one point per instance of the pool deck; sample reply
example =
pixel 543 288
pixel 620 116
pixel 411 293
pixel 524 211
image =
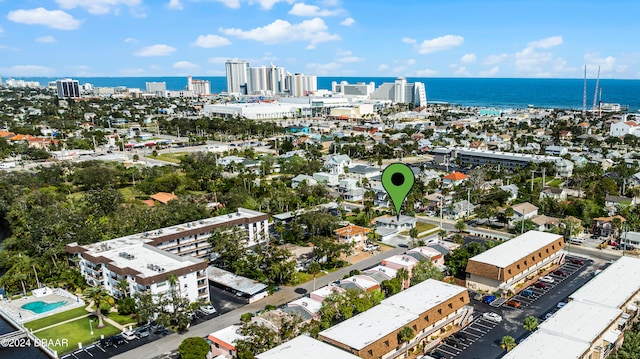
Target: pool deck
pixel 13 308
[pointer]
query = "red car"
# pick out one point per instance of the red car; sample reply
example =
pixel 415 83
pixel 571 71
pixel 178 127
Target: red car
pixel 576 261
pixel 540 285
pixel 513 303
pixel 559 272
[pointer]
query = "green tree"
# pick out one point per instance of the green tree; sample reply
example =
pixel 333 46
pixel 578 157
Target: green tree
pixel 507 343
pixel 404 336
pixel 402 275
pixel 460 225
pixel 194 348
pixel 229 245
pixel 99 296
pixel 413 233
pixel 630 346
pixel 425 270
pixel 530 323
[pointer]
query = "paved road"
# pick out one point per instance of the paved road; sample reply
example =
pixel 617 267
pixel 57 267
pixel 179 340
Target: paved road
pixel 284 295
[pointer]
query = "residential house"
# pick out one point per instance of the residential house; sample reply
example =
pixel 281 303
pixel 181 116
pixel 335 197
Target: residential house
pixel 545 223
pixel 523 211
pixel 558 194
pixel 163 197
pixel 354 195
pixel 359 282
pixel 614 203
pixel 223 341
pixel 353 234
pixel 605 226
pixel 302 178
pixel 622 128
pixel 362 172
pixel 404 223
pixel 556 150
pixel 513 191
pixel 336 164
pixel 326 178
pixel 460 209
pixel 427 253
pixel 322 293
pixel 454 179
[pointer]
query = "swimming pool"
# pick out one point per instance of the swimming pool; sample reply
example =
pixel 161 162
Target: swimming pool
pixel 40 307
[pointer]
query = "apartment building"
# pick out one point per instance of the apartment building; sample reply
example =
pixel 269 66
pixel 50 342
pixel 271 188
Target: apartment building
pixel 426 308
pixel 305 347
pixel 143 266
pixel 511 161
pixel 515 261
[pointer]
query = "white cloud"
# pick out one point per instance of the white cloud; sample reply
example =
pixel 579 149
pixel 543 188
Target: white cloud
pixel 546 42
pixel 383 67
pixel 426 73
pixel 494 59
pixel 156 50
pixel 302 9
pixel 211 41
pixel 56 19
pixel 46 39
pixel 468 58
pixel 408 40
pixel 129 40
pixel 185 65
pixel 350 59
pixel 330 68
pixel 218 60
pixel 460 71
pixel 27 70
pixel 1 30
pixel 593 60
pixel 532 62
pixel 175 4
pixel 268 4
pixel 348 21
pixel 234 4
pixel 490 73
pixel 441 43
pixel 281 31
pixel 99 7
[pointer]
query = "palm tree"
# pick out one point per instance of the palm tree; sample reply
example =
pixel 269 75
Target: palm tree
pixel 530 323
pixel 99 296
pixel 123 287
pixel 404 336
pixel 507 343
pixel 402 275
pixel 460 225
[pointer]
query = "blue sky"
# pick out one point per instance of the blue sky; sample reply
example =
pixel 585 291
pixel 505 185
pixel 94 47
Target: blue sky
pixel 413 38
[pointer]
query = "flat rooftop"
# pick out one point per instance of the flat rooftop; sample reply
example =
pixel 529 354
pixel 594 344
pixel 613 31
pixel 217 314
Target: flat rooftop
pixel 545 345
pixel 305 347
pixel 228 334
pixel 369 326
pixel 420 298
pixel 516 248
pixel 150 236
pixel 234 281
pixel 144 258
pixel 580 321
pixel 614 286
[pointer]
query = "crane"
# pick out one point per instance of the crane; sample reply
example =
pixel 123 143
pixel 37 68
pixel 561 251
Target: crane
pixel 595 93
pixel 584 95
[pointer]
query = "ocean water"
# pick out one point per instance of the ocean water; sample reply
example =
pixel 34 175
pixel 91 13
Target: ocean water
pixel 483 92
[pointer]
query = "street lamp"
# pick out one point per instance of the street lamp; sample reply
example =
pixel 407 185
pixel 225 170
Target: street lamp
pixel 91 327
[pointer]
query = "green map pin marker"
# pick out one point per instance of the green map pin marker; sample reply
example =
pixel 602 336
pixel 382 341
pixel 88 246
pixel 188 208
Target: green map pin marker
pixel 397 180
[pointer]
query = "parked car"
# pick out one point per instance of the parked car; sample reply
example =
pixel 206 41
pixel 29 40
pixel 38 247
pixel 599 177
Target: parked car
pixel 526 293
pixel 452 341
pixel 207 309
pixel 493 317
pixel 576 261
pixel 461 336
pixel 547 279
pixel 129 335
pixel 117 339
pixel 435 355
pixel 488 299
pixel 561 304
pixel 106 342
pixel 540 285
pixel 513 303
pixel 559 272
pixel 142 332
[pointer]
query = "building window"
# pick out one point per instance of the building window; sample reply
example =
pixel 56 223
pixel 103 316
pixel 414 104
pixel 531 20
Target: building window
pixel 450 305
pixel 426 317
pixel 525 262
pixel 462 299
pixel 539 255
pixel 518 266
pixel 370 352
pixel 553 247
pixel 547 250
pixel 509 270
pixel 439 311
pixel 386 342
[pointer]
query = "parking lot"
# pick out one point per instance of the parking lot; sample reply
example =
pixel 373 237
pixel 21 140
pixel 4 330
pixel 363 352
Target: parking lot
pixel 486 334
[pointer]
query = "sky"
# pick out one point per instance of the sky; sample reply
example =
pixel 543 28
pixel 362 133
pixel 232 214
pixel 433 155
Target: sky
pixel 385 38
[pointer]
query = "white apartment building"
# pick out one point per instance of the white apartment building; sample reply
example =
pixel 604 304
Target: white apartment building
pixel 623 128
pixel 301 85
pixel 237 76
pixel 68 88
pixel 199 87
pixel 143 266
pixel 359 89
pixel 401 91
pixel 157 88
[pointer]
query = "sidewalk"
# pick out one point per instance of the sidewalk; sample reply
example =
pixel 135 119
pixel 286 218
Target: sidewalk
pixel 63 322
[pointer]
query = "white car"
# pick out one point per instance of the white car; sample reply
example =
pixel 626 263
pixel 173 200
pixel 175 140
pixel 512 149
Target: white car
pixel 547 279
pixel 492 317
pixel 208 309
pixel 129 335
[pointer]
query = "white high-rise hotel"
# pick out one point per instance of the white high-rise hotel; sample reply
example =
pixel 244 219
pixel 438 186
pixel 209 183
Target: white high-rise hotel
pixel 266 80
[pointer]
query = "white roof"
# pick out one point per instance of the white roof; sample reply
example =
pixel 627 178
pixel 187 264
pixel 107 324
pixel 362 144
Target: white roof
pixel 311 304
pixel 614 286
pixel 546 345
pixel 420 298
pixel 305 347
pixel 234 281
pixel 580 321
pixel 228 334
pixel 369 326
pixel 516 248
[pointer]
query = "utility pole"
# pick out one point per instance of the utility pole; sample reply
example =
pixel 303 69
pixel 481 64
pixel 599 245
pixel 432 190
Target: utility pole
pixel 468 201
pixel 532 173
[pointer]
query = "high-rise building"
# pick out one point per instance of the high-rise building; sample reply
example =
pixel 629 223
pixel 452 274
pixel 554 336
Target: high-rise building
pixel 359 89
pixel 199 87
pixel 266 80
pixel 401 91
pixel 237 72
pixel 157 88
pixel 68 88
pixel 301 85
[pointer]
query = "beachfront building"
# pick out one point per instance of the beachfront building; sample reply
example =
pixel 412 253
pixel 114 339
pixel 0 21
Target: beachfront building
pixel 425 308
pixel 358 90
pixel 237 72
pixel 513 262
pixel 401 91
pixel 592 324
pixel 259 111
pixel 144 267
pixel 67 88
pixel 510 161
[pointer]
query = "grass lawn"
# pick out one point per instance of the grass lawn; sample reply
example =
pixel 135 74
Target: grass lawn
pixel 555 183
pixel 56 318
pixel 422 227
pixel 77 331
pixel 121 319
pixel 169 157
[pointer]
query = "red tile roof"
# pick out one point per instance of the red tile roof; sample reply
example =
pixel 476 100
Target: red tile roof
pixel 163 197
pixel 456 176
